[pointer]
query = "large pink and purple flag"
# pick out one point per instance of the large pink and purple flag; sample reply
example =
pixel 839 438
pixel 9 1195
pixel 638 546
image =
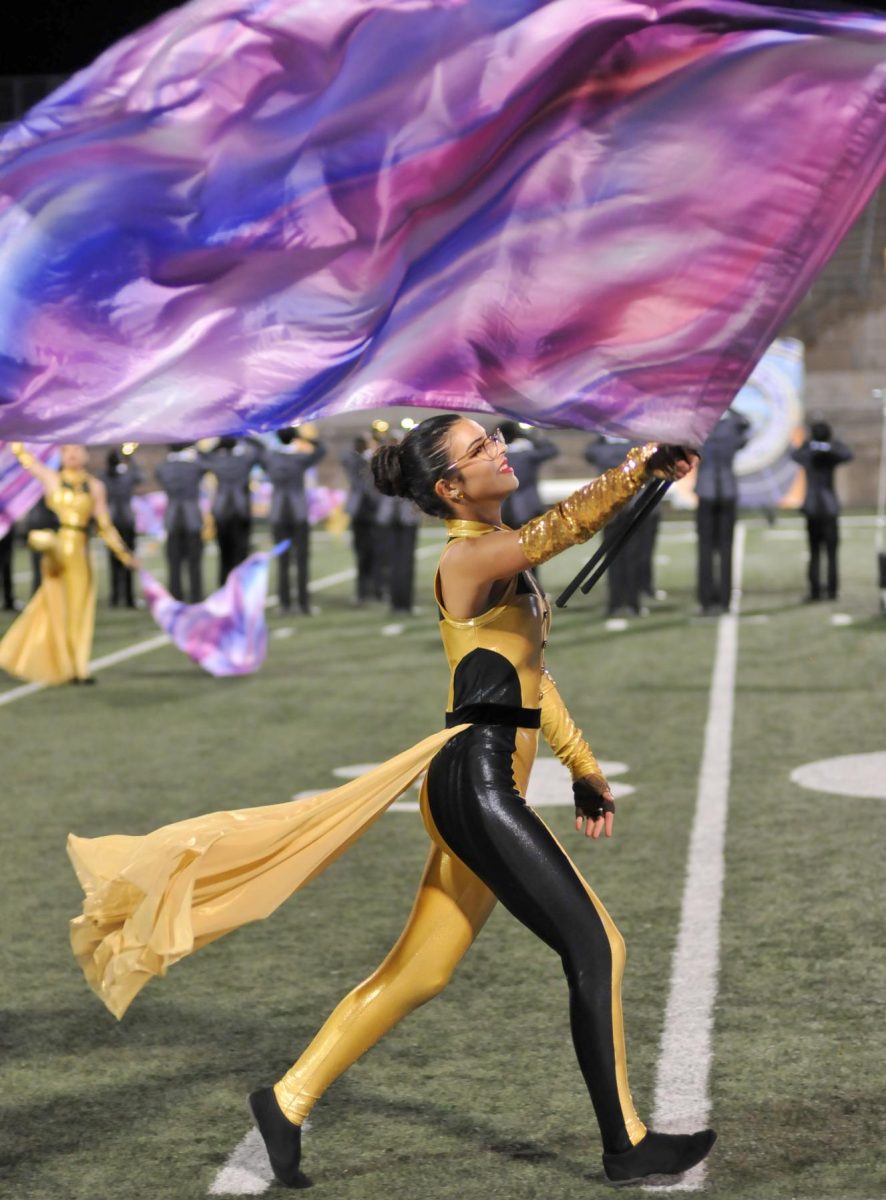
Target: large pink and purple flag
pixel 226 634
pixel 19 490
pixel 594 213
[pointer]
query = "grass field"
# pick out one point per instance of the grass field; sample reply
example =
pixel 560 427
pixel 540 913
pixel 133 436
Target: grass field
pixel 476 1095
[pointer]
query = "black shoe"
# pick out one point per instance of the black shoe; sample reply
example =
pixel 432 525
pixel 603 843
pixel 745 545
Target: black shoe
pixel 658 1154
pixel 282 1139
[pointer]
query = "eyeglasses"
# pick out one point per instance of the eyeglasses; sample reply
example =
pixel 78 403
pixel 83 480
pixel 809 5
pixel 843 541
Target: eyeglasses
pixel 487 448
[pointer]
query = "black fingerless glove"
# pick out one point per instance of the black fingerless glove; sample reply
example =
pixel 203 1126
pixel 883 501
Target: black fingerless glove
pixel 589 800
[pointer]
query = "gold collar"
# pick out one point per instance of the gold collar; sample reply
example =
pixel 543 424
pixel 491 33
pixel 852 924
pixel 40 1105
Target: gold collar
pixel 456 528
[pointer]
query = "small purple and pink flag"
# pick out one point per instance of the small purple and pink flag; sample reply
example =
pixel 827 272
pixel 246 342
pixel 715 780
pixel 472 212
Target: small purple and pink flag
pixel 227 633
pixel 19 490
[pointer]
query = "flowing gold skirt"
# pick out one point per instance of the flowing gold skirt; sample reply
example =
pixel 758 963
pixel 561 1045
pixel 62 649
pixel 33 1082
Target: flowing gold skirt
pixel 154 899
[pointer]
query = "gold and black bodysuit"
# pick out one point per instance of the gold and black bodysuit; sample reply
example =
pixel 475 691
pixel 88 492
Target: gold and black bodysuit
pixel 488 844
pixel 152 900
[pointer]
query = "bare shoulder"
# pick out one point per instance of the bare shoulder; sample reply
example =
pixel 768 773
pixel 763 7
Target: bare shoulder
pixel 473 572
pixel 492 557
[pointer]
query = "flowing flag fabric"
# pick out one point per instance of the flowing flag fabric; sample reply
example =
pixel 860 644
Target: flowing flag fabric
pixel 594 213
pixel 226 634
pixel 19 490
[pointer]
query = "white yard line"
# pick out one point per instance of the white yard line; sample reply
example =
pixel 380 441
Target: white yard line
pixel 682 1090
pixel 20 692
pixel 154 643
pixel 97 664
pixel 247 1171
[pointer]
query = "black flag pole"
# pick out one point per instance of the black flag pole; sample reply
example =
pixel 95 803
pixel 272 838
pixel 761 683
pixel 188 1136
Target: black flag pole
pixel 603 555
pixel 653 496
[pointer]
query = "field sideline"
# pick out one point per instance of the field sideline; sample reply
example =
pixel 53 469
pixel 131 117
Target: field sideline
pixel 476 1095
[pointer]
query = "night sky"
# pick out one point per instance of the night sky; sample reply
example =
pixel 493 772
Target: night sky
pixel 57 37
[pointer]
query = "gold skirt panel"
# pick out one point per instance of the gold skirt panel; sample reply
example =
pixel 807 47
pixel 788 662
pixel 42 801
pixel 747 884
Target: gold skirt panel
pixel 152 900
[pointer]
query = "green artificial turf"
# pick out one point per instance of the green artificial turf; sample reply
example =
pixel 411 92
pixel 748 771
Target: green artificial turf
pixel 476 1095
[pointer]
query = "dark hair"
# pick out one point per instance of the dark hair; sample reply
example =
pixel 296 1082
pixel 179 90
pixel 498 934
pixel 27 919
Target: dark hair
pixel 510 431
pixel 412 467
pixel 113 461
pixel 175 447
pixel 286 435
pixel 226 443
pixel 821 431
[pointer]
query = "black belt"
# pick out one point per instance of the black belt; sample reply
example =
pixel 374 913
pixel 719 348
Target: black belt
pixel 495 714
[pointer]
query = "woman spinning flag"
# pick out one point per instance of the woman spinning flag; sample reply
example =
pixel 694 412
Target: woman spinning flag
pixel 487 844
pixel 571 213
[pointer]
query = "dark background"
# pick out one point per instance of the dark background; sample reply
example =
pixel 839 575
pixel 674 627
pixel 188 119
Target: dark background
pixel 57 37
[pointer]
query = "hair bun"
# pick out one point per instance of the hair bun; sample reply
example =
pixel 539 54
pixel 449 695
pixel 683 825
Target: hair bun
pixel 387 470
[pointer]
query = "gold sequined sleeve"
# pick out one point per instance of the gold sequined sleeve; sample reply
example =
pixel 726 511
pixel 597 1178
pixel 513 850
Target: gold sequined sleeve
pixel 586 511
pixel 25 457
pixel 562 734
pixel 110 535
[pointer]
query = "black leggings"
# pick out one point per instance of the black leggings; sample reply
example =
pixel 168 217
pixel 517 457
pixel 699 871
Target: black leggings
pixel 824 536
pixel 232 534
pixel 487 824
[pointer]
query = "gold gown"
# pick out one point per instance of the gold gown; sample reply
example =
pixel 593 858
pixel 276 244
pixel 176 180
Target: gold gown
pixel 51 641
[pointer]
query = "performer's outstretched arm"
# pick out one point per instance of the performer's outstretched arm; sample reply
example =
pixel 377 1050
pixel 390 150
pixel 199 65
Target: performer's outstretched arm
pixel 569 523
pixel 46 475
pixel 594 806
pixel 577 518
